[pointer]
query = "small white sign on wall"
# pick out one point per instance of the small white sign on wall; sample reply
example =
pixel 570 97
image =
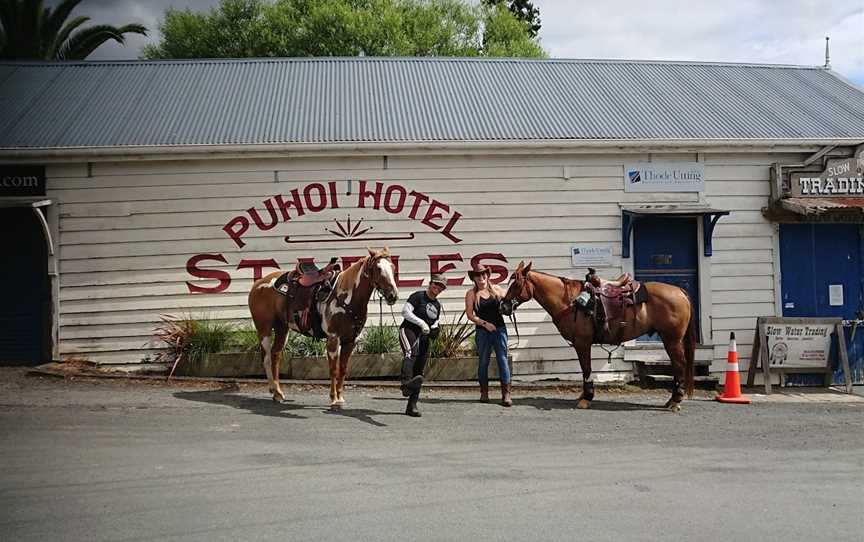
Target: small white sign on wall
pixel 664 177
pixel 835 295
pixel 591 255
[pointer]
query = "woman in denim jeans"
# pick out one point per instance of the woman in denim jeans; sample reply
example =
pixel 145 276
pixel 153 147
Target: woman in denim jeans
pixel 482 306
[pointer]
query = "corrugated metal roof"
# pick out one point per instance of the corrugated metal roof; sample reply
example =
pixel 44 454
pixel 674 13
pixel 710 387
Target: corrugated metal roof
pixel 405 100
pixel 824 206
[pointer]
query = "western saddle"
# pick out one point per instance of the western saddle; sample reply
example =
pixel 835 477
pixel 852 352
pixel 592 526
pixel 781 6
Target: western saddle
pixel 303 287
pixel 614 295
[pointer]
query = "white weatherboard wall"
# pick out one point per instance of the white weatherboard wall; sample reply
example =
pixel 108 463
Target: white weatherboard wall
pixel 127 231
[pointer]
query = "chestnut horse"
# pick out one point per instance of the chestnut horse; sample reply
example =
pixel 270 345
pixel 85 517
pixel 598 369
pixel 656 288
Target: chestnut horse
pixel 343 315
pixel 667 311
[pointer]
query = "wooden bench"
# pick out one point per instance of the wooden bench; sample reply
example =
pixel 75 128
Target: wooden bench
pixel 650 367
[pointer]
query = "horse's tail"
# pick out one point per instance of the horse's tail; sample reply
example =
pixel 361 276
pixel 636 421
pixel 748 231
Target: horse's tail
pixel 690 352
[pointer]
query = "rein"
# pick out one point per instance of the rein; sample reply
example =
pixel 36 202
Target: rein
pixel 515 327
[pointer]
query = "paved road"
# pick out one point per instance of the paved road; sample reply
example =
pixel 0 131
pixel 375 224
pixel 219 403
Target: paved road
pixel 97 460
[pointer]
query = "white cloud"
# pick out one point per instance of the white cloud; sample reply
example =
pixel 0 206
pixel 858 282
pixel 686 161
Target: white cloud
pixel 758 31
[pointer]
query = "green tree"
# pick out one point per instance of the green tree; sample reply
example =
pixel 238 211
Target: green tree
pixel 524 10
pixel 301 28
pixel 30 32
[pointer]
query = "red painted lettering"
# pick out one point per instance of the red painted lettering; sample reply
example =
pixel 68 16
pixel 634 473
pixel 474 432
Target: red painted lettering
pixel 334 200
pixel 400 202
pixel 418 199
pixel 236 228
pixel 499 272
pixel 449 227
pixel 257 266
pixel 400 282
pixel 285 205
pixel 253 212
pixel 436 267
pixel 432 214
pixel 215 274
pixel 308 196
pixel 363 194
pixel 348 261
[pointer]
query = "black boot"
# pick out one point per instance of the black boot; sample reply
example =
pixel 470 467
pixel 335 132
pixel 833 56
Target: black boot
pixel 410 383
pixel 411 409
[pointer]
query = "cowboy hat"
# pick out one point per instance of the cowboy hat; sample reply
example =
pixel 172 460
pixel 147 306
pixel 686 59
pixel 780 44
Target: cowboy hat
pixel 438 278
pixel 479 269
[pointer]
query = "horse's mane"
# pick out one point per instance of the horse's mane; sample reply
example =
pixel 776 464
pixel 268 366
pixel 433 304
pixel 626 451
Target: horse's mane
pixel 565 280
pixel 349 276
pixel 570 285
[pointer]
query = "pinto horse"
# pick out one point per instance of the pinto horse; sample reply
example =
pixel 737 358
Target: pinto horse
pixel 343 315
pixel 667 311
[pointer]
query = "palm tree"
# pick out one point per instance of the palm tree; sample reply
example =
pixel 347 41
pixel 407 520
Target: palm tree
pixel 30 32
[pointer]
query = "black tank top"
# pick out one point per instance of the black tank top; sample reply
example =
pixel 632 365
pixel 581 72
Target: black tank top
pixel 488 310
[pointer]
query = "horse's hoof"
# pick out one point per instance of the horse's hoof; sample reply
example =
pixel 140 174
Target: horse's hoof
pixel 674 407
pixel 583 404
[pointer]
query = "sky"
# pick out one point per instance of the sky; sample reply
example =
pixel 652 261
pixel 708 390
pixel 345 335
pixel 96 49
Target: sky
pixel 750 31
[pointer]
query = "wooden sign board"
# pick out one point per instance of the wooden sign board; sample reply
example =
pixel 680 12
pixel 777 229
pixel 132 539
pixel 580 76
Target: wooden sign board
pixel 797 345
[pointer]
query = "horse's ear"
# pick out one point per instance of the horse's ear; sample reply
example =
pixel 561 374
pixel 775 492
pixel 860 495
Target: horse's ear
pixel 528 267
pixel 371 252
pixel 519 267
pixel 385 251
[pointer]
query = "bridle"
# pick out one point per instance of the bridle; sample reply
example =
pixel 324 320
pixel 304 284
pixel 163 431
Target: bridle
pixel 514 303
pixel 373 273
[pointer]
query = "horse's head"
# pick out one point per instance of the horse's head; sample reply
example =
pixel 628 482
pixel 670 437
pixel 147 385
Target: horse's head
pixel 520 290
pixel 379 267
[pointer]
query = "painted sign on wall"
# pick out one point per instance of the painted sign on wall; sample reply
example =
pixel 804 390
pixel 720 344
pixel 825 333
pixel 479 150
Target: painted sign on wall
pixel 664 177
pixel 18 180
pixel 362 198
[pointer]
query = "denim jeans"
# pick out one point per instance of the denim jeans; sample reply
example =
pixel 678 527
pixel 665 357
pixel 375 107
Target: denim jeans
pixel 486 341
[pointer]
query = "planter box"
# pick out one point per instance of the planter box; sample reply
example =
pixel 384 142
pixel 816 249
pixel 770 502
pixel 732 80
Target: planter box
pixel 359 366
pixel 228 364
pixel 240 364
pixel 458 369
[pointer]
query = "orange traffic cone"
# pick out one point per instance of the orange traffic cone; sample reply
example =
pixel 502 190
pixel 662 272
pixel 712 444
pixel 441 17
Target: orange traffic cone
pixel 732 384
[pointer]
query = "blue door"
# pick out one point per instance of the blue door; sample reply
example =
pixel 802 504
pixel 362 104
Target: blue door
pixel 24 311
pixel 816 260
pixel 665 249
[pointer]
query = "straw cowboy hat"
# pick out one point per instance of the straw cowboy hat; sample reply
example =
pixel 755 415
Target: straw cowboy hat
pixel 479 269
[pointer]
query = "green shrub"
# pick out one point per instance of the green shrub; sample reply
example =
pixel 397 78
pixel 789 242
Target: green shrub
pixel 245 339
pixel 298 345
pixel 189 340
pixel 379 340
pixel 453 341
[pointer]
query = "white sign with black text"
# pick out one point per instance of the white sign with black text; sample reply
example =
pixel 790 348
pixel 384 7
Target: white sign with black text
pixel 798 345
pixel 664 177
pixel 591 255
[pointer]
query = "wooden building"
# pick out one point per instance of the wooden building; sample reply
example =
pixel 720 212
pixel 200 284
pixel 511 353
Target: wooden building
pixel 166 187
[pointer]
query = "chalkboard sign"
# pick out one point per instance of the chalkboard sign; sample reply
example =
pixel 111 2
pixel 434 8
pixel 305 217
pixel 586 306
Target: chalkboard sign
pixel 797 345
